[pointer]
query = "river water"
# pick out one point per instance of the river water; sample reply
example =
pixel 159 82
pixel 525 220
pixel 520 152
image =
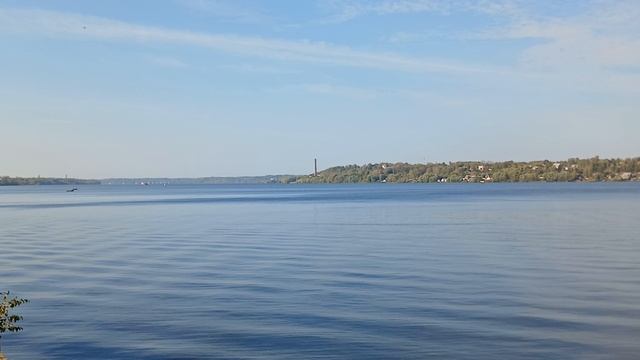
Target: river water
pixel 518 271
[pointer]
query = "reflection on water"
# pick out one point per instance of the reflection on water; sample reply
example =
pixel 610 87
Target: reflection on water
pixel 288 272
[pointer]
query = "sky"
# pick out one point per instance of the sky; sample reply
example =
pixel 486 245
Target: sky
pixel 188 88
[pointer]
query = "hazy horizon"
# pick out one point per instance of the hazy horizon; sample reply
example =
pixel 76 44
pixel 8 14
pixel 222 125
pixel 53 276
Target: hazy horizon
pixel 302 174
pixel 198 88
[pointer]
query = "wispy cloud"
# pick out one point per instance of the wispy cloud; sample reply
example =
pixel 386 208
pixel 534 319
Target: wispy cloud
pixel 606 36
pixel 226 10
pixel 361 93
pixel 249 68
pixel 68 25
pixel 598 42
pixel 345 10
pixel 403 37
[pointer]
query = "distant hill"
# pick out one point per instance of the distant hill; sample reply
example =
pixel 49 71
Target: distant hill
pixel 594 169
pixel 6 180
pixel 265 179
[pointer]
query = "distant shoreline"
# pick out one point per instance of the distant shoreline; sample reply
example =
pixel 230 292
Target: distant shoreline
pixel 571 170
pixel 17 181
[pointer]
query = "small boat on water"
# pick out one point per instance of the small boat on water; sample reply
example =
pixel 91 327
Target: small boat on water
pixel 72 190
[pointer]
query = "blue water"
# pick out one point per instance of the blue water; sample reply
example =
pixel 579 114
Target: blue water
pixel 517 271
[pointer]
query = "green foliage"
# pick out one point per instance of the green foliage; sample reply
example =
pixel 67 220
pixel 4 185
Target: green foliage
pixel 594 169
pixel 8 320
pixel 5 180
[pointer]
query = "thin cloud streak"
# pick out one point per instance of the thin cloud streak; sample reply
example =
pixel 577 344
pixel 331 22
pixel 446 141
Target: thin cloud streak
pixel 225 10
pixel 60 24
pixel 346 10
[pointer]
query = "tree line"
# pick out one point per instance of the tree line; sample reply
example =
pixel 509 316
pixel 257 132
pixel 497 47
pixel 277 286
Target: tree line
pixel 6 180
pixel 574 169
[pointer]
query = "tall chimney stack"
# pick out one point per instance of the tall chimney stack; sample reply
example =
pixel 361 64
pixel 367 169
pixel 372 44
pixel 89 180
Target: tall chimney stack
pixel 315 167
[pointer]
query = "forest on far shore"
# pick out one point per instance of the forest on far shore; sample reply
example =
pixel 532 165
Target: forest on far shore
pixel 6 180
pixel 593 169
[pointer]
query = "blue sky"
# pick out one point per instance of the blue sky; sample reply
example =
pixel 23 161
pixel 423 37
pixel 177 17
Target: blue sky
pixel 219 88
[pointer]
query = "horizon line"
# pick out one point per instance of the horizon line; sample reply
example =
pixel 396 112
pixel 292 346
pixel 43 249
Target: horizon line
pixel 311 172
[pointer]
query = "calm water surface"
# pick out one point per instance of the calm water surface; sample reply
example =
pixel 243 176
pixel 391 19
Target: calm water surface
pixel 518 271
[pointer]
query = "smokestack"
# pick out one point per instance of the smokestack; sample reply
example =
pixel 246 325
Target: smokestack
pixel 315 167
